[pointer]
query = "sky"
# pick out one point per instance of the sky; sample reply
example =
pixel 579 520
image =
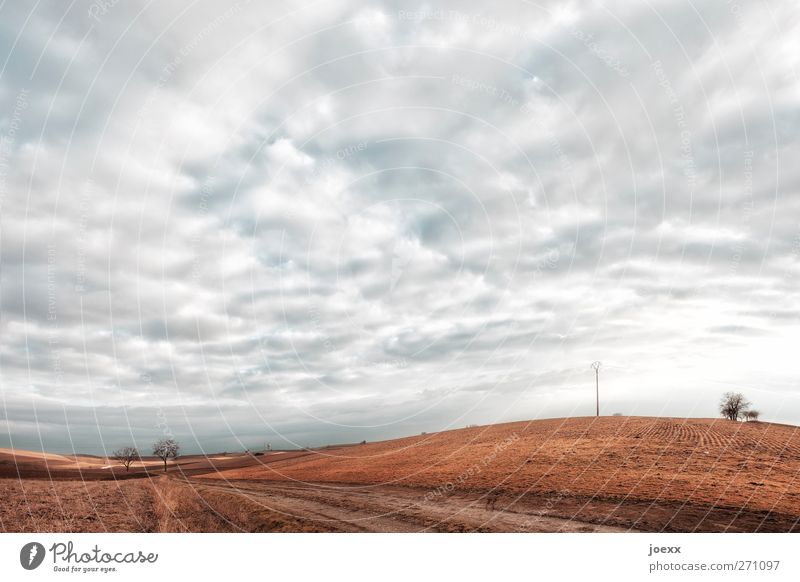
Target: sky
pixel 304 223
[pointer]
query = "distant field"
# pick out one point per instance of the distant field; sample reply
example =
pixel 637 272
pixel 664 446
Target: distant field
pixel 580 474
pixel 752 466
pixel 30 464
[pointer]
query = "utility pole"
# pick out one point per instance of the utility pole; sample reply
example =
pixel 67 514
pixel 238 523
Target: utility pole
pixel 596 368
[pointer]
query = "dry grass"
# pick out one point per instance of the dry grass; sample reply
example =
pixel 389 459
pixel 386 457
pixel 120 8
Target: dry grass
pixel 142 505
pixel 183 507
pixel 32 505
pixel 179 509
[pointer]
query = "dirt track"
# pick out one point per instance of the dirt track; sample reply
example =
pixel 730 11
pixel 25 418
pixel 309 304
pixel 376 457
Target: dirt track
pixel 317 507
pixel 287 506
pixel 177 504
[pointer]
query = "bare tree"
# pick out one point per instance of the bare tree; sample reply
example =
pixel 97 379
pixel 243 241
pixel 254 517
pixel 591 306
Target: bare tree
pixel 166 448
pixel 751 415
pixel 126 456
pixel 733 405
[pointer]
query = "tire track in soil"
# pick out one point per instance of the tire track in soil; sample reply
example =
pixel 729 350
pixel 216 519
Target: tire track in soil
pixel 389 509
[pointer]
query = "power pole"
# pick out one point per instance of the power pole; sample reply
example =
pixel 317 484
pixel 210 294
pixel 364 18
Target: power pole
pixel 596 368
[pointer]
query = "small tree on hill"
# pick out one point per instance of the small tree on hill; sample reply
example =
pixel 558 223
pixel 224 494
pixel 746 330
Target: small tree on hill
pixel 126 456
pixel 733 405
pixel 166 448
pixel 751 415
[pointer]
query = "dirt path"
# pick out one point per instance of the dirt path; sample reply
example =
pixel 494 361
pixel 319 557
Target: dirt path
pixel 319 507
pixel 177 504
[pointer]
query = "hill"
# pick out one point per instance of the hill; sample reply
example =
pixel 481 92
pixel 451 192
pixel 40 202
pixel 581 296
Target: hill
pixel 568 475
pixel 751 466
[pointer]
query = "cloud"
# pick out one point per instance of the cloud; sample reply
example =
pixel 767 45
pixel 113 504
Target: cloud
pixel 323 222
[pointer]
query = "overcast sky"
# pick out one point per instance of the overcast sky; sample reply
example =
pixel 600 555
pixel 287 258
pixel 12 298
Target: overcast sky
pixel 316 222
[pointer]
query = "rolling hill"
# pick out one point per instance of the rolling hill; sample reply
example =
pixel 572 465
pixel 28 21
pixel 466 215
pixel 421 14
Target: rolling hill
pixel 753 466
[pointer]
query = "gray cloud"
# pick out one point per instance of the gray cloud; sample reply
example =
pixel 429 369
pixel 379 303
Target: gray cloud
pixel 330 222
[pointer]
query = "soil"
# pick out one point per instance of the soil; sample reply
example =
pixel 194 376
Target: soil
pixel 577 474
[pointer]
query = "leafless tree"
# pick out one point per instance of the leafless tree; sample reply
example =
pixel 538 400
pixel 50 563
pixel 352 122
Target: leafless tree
pixel 733 405
pixel 126 456
pixel 751 415
pixel 166 448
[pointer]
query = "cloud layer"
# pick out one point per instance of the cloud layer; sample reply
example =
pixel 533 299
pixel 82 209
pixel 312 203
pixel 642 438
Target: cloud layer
pixel 324 222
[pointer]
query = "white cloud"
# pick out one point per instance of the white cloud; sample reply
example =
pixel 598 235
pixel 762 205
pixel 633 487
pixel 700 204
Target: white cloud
pixel 340 222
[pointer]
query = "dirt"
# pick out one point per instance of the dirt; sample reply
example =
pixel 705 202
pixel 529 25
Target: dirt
pixel 752 467
pixel 581 474
pixel 316 507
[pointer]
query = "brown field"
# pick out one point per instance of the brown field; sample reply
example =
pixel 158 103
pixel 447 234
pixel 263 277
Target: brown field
pixel 579 474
